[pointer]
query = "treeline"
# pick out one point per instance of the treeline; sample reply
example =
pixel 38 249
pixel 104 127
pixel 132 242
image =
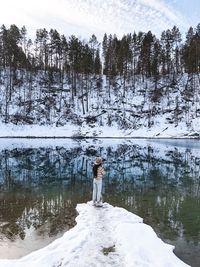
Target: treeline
pixel 141 53
pixel 49 51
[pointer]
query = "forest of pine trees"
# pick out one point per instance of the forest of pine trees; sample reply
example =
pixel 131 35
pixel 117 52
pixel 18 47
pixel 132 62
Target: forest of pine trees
pixel 54 59
pixel 133 54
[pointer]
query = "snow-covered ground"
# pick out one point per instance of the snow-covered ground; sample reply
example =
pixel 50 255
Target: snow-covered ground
pixel 160 131
pixel 108 236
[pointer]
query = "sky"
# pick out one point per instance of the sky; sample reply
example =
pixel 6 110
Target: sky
pixel 86 17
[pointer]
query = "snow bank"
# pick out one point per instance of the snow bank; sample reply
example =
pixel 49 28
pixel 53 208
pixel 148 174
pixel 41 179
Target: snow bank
pixel 162 130
pixel 108 236
pixel 11 130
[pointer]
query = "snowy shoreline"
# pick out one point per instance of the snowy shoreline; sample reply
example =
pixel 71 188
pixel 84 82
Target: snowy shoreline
pixel 74 132
pixel 96 137
pixel 109 236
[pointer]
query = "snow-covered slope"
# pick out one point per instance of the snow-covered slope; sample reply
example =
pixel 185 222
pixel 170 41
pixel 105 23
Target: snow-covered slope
pixel 108 236
pixel 100 108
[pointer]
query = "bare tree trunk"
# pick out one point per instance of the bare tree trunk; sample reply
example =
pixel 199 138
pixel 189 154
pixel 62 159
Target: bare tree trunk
pixel 61 86
pixel 87 94
pixel 82 93
pixel 10 83
pixel 6 105
pixel 30 82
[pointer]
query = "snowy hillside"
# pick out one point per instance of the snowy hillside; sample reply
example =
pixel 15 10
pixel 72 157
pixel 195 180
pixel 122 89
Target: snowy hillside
pixel 100 108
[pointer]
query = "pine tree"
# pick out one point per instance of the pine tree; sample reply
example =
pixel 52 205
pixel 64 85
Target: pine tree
pixel 41 49
pixel 97 63
pixel 146 54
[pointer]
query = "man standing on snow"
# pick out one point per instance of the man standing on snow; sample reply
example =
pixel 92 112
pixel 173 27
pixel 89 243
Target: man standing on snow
pixel 98 173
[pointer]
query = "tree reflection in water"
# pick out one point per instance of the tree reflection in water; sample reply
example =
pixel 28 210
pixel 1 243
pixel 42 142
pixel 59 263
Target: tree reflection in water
pixel 40 187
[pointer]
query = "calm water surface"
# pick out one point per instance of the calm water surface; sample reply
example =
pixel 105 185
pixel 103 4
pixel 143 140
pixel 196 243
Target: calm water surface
pixel 41 181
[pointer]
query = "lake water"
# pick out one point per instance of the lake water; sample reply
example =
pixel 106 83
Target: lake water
pixel 42 180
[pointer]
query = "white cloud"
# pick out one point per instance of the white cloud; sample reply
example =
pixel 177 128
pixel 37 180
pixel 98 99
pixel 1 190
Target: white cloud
pixel 84 17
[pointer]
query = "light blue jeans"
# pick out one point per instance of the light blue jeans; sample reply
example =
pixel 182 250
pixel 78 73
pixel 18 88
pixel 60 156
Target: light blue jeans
pixel 97 187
